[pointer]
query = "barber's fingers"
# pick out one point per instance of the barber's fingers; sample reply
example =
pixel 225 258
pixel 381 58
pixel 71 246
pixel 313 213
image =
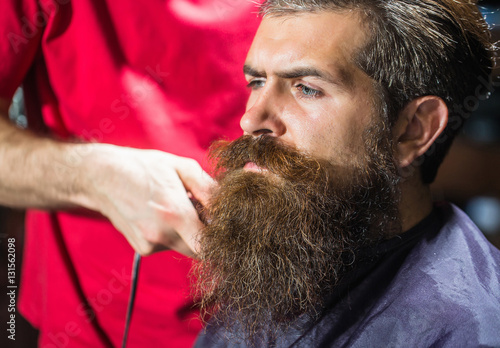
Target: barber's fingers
pixel 147 239
pixel 187 242
pixel 172 219
pixel 135 236
pixel 179 227
pixel 195 180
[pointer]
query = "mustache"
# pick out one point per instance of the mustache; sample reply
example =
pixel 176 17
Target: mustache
pixel 268 152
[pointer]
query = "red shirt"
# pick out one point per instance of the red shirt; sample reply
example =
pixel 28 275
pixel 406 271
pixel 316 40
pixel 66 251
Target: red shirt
pixel 159 74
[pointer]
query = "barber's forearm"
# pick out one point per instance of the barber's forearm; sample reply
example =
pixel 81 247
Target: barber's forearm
pixel 38 172
pixel 142 192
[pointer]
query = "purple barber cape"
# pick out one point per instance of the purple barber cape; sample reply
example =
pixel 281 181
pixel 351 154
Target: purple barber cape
pixel 436 285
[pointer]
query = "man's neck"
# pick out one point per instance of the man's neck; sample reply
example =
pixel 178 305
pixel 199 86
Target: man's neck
pixel 416 202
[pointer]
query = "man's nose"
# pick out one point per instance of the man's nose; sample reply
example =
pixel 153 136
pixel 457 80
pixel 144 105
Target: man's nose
pixel 263 116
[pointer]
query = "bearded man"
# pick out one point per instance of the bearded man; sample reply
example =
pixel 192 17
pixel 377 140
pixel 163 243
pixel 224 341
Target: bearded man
pixel 322 231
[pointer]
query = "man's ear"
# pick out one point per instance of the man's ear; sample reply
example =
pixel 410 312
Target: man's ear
pixel 418 126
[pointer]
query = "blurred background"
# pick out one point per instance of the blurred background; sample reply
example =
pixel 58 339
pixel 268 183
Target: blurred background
pixel 470 174
pixel 469 177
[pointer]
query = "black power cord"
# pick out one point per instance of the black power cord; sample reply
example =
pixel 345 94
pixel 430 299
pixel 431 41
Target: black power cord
pixel 135 276
pixel 131 300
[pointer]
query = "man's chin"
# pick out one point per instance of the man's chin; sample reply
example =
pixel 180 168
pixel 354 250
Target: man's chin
pixel 275 249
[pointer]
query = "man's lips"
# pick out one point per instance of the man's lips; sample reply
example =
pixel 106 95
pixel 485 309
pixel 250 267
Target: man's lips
pixel 252 167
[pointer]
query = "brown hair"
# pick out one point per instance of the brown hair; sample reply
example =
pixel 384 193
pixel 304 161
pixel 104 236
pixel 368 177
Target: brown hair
pixel 417 48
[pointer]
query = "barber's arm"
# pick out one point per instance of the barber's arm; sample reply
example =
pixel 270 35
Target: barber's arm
pixel 144 193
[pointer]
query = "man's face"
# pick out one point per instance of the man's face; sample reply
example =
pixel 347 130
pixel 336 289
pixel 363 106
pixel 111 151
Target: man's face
pixel 305 87
pixel 310 184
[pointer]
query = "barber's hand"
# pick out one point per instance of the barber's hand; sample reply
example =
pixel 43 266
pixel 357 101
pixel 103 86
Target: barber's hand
pixel 144 193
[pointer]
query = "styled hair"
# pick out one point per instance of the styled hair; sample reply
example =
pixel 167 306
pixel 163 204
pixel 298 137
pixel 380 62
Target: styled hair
pixel 417 48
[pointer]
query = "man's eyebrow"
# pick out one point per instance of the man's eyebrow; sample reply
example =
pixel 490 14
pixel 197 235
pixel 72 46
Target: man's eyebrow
pixel 344 79
pixel 248 70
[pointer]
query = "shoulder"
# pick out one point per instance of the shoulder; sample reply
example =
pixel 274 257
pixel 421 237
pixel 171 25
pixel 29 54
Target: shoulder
pixel 447 289
pixel 458 261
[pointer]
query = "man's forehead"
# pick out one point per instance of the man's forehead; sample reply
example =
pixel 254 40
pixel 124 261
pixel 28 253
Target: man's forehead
pixel 325 41
pixel 343 29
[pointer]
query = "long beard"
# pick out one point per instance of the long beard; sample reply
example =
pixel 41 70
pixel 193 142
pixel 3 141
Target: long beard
pixel 278 242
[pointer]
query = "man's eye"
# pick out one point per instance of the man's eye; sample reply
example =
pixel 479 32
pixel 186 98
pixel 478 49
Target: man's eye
pixel 308 91
pixel 256 84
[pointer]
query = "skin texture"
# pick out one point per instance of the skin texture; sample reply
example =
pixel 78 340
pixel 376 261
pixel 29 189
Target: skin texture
pixel 314 113
pixel 325 115
pixel 144 193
